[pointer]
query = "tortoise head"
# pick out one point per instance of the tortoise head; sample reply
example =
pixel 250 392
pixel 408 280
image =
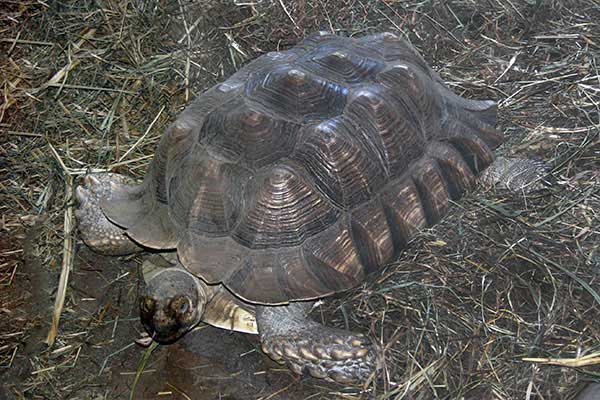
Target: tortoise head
pixel 172 304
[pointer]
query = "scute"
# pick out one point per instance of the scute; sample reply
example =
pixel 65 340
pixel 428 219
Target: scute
pixel 334 258
pixel 372 235
pixel 414 88
pixel 391 47
pixel 455 171
pixel 290 93
pixel 431 187
pixel 214 259
pixel 385 123
pixel 288 277
pixel 321 39
pixel 345 171
pixel 341 66
pixel 237 133
pixel 309 168
pixel 403 209
pixel 283 210
pixel 205 194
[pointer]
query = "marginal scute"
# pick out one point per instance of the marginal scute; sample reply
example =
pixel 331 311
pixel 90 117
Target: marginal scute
pixel 477 123
pixel 385 123
pixel 301 282
pixel 403 210
pixel 318 38
pixel 138 210
pixel 345 171
pixel 334 257
pixel 155 231
pixel 372 235
pixel 432 189
pixel 241 134
pixel 127 204
pixel 295 95
pixel 229 85
pixel 455 171
pixel 393 48
pixel 476 153
pixel 283 210
pixel 214 259
pixel 286 56
pixel 287 277
pixel 482 111
pixel 257 282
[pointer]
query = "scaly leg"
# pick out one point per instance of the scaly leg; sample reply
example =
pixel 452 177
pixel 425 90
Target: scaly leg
pixel 96 230
pixel 289 336
pixel 516 174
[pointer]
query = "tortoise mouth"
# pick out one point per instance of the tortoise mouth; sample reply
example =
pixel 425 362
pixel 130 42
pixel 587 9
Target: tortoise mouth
pixel 165 337
pixel 165 332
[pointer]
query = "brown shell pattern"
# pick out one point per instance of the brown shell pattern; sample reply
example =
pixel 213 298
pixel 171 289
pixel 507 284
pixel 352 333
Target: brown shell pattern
pixel 311 167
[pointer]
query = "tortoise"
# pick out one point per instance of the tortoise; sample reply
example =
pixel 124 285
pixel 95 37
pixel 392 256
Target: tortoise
pixel 289 182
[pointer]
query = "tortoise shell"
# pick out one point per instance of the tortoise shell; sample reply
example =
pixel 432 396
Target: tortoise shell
pixel 308 168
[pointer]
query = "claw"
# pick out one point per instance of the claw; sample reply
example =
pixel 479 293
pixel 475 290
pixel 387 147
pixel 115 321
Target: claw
pixel 82 194
pixel 90 180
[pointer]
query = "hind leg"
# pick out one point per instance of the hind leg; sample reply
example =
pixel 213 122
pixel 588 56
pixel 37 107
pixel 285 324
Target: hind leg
pixel 96 230
pixel 516 174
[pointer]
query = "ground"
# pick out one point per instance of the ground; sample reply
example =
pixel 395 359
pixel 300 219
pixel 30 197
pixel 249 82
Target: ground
pixel 500 300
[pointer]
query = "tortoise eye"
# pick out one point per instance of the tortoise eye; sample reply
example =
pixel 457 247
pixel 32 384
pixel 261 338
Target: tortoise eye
pixel 147 305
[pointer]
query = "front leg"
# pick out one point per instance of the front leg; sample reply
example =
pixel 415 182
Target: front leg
pixel 96 230
pixel 289 336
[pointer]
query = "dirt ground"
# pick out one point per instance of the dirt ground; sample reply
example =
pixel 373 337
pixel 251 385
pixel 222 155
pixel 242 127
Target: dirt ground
pixel 498 301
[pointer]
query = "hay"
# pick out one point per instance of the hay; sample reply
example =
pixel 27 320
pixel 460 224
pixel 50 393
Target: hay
pixel 500 300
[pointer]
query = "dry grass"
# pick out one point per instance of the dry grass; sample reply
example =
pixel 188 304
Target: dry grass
pixel 500 300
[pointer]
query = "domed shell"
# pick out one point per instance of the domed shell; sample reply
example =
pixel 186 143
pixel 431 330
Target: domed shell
pixel 309 168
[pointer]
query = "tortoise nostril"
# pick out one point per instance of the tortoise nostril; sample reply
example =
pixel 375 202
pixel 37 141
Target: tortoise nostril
pixel 185 306
pixel 180 305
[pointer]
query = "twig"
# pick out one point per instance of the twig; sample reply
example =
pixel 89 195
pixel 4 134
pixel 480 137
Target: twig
pixel 143 136
pixel 114 354
pixel 590 359
pixel 285 10
pixel 67 264
pixel 21 41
